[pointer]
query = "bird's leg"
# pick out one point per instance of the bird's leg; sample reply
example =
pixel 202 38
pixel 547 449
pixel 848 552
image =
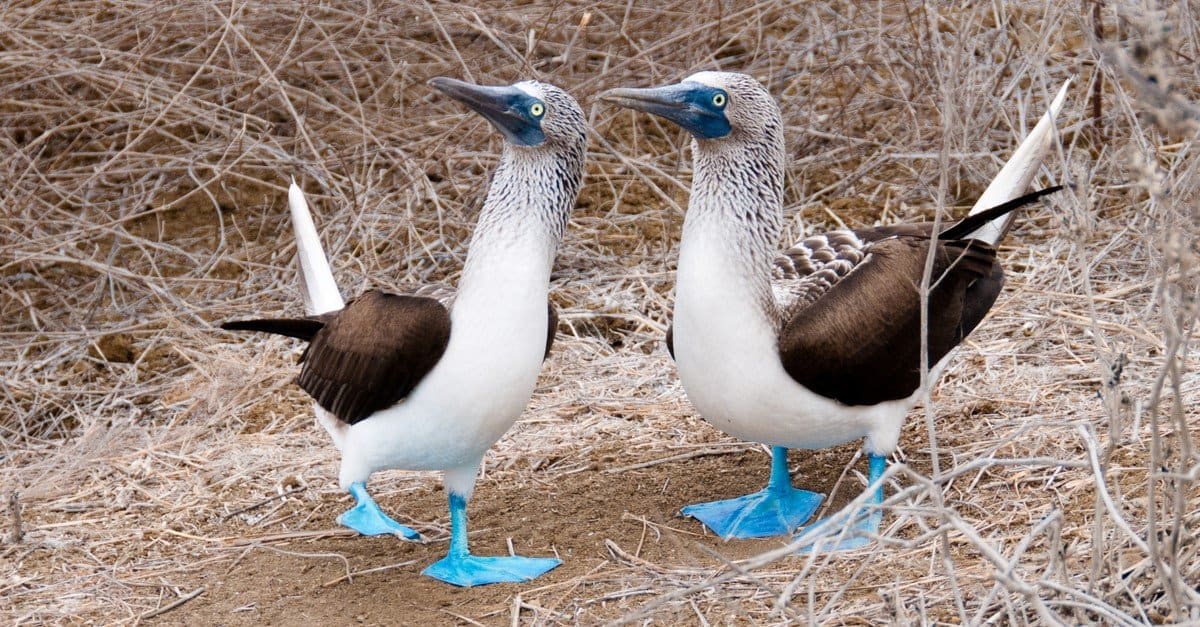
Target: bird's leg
pixel 366 517
pixel 775 510
pixel 461 568
pixel 865 522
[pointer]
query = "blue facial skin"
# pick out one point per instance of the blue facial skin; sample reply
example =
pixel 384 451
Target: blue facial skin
pixel 516 120
pixel 697 108
pixel 517 115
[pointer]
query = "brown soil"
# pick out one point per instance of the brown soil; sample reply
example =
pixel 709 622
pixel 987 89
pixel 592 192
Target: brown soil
pixel 154 469
pixel 575 517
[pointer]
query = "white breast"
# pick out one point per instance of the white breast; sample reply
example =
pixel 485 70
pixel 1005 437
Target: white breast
pixel 479 387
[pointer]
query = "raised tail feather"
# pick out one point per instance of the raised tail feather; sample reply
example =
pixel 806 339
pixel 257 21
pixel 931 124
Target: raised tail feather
pixel 320 293
pixel 1015 176
pixel 973 223
pixel 300 328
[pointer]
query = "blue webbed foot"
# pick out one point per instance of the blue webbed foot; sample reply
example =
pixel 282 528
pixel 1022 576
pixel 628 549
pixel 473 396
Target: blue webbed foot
pixel 366 517
pixel 461 568
pixel 865 522
pixel 859 535
pixel 757 515
pixel 470 570
pixel 775 510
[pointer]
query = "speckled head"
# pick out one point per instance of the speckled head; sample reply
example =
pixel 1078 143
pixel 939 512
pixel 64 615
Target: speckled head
pixel 527 114
pixel 563 124
pixel 709 105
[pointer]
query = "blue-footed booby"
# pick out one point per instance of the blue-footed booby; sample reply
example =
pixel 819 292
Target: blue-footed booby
pixel 821 344
pixel 414 382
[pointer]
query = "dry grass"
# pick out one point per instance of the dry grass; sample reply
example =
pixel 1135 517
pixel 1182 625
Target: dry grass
pixel 145 149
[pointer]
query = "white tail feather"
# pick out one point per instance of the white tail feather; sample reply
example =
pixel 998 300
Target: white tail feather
pixel 1015 176
pixel 320 293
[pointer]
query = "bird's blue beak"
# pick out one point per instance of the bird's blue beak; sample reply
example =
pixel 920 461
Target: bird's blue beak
pixel 516 114
pixel 696 107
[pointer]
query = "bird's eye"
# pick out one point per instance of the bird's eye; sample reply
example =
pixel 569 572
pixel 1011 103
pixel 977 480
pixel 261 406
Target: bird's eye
pixel 718 100
pixel 537 109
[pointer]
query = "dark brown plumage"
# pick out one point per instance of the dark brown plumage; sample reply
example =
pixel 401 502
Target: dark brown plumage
pixel 854 311
pixel 866 327
pixel 552 327
pixel 859 341
pixel 370 355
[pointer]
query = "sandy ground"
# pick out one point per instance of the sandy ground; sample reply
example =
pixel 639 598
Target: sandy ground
pixel 157 470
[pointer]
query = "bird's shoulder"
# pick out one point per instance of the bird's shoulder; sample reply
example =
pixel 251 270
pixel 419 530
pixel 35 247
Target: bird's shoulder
pixel 809 268
pixel 440 292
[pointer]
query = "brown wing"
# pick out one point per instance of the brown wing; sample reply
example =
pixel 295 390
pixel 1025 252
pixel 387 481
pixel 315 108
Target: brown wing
pixel 552 327
pixel 803 273
pixel 860 341
pixel 851 308
pixel 371 354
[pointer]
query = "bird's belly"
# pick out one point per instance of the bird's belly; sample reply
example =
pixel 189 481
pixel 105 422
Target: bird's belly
pixel 464 405
pixel 739 386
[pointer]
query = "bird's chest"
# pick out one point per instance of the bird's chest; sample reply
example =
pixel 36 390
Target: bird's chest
pixel 726 350
pixel 724 343
pixel 495 352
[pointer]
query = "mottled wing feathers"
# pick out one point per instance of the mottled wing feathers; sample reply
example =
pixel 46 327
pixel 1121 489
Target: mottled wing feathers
pixel 850 303
pixel 442 293
pixel 866 326
pixel 815 253
pixel 372 354
pixel 802 273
